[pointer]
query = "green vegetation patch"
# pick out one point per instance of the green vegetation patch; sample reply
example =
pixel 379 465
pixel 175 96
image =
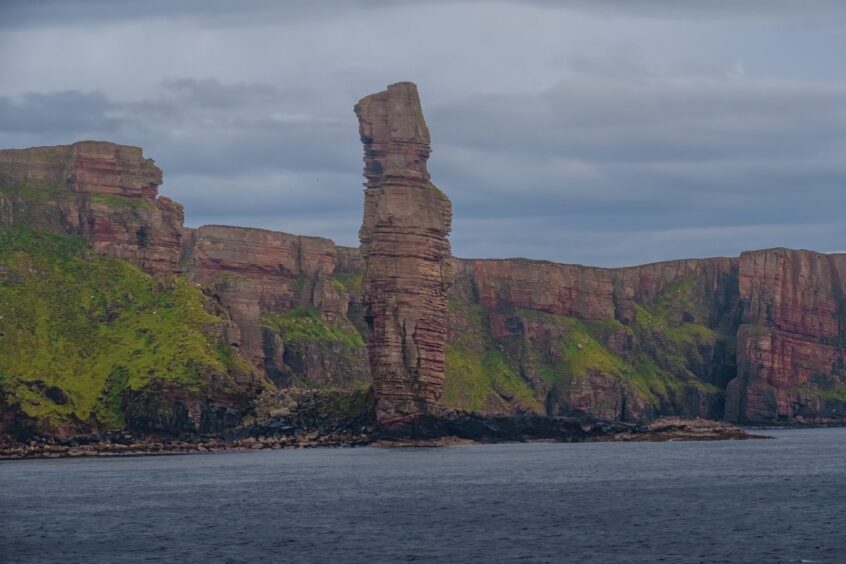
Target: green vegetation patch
pixel 479 376
pixel 36 191
pixel 93 327
pixel 302 324
pixel 657 368
pixel 837 393
pixel 478 382
pixel 682 297
pixel 118 201
pixel 351 281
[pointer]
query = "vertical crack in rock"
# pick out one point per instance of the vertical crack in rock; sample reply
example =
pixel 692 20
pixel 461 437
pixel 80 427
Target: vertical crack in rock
pixel 406 255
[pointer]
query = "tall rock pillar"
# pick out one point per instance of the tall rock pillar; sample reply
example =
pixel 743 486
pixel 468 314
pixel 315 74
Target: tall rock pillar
pixel 406 258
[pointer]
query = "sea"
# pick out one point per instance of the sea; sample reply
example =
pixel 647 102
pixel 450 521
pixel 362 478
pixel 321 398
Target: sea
pixel 755 501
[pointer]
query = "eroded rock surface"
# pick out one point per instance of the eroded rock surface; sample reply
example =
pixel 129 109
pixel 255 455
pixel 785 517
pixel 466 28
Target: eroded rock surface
pixel 405 250
pixel 105 192
pixel 791 346
pixel 631 343
pixel 759 338
pixel 289 310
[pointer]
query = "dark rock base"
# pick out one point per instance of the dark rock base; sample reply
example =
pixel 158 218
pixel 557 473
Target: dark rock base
pixel 523 428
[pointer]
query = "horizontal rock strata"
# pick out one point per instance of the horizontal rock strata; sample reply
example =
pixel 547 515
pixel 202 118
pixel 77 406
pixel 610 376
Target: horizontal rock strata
pixel 405 250
pixel 105 192
pixel 758 338
pixel 289 312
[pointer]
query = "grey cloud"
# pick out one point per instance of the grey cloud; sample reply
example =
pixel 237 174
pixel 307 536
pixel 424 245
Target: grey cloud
pixel 657 161
pixel 665 118
pixel 829 11
pixel 197 126
pixel 217 12
pixel 25 13
pixel 58 112
pixel 212 93
pixel 633 130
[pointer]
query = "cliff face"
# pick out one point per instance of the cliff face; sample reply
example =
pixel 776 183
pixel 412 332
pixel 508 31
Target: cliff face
pixel 283 308
pixel 405 251
pixel 791 347
pixel 630 343
pixel 289 310
pixel 112 315
pixel 105 192
pixel 753 339
pixel 88 342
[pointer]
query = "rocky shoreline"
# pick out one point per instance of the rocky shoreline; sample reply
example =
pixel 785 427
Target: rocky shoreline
pixel 276 435
pixel 101 446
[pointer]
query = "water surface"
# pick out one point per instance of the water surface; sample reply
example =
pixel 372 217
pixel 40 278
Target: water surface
pixel 781 500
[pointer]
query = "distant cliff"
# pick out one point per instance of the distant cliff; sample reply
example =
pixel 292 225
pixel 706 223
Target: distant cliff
pixel 115 316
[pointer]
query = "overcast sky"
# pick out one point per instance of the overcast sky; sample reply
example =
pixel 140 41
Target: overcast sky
pixel 602 132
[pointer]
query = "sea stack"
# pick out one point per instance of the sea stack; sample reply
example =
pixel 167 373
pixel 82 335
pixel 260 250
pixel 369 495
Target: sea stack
pixel 406 259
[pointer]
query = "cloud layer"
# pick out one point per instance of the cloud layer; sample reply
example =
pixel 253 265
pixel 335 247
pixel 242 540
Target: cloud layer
pixel 605 133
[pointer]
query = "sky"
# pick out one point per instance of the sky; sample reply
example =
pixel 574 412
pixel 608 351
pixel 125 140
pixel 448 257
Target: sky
pixel 599 132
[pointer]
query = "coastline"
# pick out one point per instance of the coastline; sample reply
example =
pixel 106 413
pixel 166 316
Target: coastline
pixel 125 445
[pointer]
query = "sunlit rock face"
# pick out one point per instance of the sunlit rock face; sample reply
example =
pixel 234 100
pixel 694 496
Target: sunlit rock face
pixel 406 255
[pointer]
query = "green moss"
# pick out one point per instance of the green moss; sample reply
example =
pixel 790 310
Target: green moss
pixel 479 382
pixel 337 285
pixel 667 350
pixel 117 201
pixel 468 324
pixel 479 376
pixel 657 368
pixel 349 280
pixel 606 327
pixel 579 350
pixel 94 327
pixel 583 353
pixel 36 191
pixel 357 402
pixel 682 299
pixel 837 393
pixel 108 409
pixel 306 324
pixel 302 285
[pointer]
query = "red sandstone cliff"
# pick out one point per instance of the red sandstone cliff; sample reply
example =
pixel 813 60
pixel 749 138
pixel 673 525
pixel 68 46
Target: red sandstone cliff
pixel 758 338
pixel 405 250
pixel 630 343
pixel 790 348
pixel 105 192
pixel 260 275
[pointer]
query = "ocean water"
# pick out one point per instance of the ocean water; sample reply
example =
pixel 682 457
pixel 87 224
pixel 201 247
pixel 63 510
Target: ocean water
pixel 781 500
